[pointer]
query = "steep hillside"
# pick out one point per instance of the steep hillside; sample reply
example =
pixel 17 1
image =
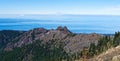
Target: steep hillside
pixel 7 36
pixel 59 44
pixel 74 42
pixel 112 54
pixel 36 52
pixel 107 49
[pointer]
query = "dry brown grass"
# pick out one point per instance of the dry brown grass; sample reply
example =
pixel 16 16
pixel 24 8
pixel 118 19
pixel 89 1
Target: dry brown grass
pixel 112 54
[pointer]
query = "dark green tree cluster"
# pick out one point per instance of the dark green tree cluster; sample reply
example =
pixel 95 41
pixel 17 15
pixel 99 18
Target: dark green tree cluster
pixel 116 39
pixel 36 52
pixel 92 49
pixel 104 44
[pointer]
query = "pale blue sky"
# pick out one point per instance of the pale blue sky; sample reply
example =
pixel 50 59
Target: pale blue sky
pixel 91 7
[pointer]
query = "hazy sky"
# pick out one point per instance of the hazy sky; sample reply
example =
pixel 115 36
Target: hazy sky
pixel 92 7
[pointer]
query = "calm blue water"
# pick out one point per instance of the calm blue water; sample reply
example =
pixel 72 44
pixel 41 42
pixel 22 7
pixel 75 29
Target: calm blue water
pixel 77 24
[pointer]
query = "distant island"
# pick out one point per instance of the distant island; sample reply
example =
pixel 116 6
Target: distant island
pixel 40 44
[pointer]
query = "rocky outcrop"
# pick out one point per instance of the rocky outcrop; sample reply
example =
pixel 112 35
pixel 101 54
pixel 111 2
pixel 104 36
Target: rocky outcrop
pixel 30 36
pixel 77 42
pixel 73 42
pixel 64 29
pixel 26 38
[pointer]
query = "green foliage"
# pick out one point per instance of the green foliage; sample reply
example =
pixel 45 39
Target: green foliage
pixel 92 49
pixel 116 39
pixel 7 36
pixel 104 44
pixel 38 52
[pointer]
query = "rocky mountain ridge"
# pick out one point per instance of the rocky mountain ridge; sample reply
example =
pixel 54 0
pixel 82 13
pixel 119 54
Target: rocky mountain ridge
pixel 7 36
pixel 74 42
pixel 59 45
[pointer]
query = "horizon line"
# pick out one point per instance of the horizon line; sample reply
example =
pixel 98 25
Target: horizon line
pixel 62 14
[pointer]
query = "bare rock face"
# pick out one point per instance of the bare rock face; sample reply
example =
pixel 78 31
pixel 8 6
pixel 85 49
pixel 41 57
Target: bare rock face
pixel 63 29
pixel 77 42
pixel 30 36
pixel 73 42
pixel 26 38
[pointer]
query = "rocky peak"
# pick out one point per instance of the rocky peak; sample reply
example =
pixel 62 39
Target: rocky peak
pixel 61 34
pixel 29 37
pixel 63 29
pixel 42 30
